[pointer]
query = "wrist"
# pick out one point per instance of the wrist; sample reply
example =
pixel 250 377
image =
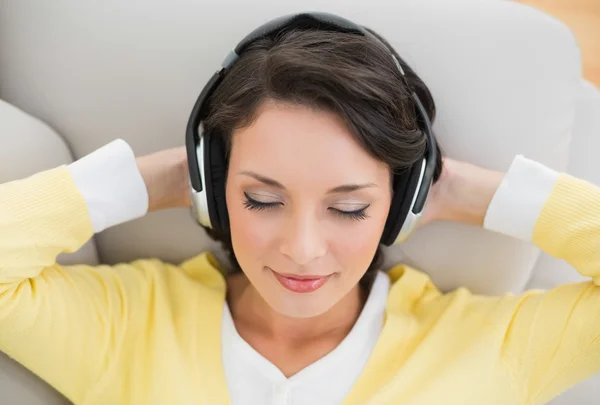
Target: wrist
pixel 470 190
pixel 165 174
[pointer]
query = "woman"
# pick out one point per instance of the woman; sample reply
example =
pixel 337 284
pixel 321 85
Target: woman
pixel 314 124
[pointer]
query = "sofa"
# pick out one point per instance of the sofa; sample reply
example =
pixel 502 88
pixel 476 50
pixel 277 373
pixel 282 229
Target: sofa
pixel 506 79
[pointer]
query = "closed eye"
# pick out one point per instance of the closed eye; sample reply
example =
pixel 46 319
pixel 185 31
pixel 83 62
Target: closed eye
pixel 254 205
pixel 356 215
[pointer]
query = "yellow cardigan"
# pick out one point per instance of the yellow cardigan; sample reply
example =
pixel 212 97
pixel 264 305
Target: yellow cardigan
pixel 148 332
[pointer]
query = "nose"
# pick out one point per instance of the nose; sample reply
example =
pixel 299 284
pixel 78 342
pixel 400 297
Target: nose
pixel 303 240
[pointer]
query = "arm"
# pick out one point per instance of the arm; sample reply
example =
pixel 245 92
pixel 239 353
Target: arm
pixel 54 319
pixel 551 339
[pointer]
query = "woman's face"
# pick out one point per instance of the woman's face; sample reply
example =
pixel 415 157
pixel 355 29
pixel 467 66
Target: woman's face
pixel 307 207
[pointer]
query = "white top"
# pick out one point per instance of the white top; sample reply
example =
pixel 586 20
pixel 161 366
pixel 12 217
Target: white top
pixel 252 379
pixel 114 191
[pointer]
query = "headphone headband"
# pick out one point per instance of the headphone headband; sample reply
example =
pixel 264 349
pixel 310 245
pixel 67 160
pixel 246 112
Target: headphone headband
pixel 199 154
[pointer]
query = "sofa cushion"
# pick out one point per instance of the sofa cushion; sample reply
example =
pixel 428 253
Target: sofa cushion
pixel 504 76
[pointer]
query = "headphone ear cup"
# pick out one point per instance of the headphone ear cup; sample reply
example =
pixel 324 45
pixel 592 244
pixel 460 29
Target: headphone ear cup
pixel 405 189
pixel 216 169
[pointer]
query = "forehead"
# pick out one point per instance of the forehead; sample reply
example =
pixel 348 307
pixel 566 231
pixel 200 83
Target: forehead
pixel 286 140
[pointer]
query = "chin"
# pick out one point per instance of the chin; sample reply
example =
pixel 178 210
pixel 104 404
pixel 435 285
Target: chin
pixel 302 309
pixel 294 305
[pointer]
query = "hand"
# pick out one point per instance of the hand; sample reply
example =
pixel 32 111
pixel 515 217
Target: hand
pixel 462 194
pixel 166 176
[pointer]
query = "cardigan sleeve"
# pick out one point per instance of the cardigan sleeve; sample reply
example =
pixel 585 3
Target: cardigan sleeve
pixel 552 338
pixel 64 322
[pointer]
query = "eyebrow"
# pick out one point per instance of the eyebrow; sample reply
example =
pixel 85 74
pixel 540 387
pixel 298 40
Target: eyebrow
pixel 345 188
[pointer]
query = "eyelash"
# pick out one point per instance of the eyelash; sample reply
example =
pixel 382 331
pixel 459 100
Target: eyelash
pixel 254 205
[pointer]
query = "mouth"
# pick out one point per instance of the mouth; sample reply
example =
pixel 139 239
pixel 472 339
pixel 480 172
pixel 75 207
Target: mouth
pixel 300 284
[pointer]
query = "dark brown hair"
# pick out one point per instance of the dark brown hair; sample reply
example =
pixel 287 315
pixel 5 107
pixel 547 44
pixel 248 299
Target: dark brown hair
pixel 351 75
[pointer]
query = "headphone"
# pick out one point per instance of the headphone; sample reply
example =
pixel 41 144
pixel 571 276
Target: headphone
pixel 206 152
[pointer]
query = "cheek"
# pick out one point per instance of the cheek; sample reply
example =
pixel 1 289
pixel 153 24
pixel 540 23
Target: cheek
pixel 354 246
pixel 249 234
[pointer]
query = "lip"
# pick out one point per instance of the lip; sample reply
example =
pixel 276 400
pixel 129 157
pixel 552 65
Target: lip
pixel 301 284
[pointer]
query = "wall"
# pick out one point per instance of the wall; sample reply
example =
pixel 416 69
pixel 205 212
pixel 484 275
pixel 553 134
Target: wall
pixel 583 17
